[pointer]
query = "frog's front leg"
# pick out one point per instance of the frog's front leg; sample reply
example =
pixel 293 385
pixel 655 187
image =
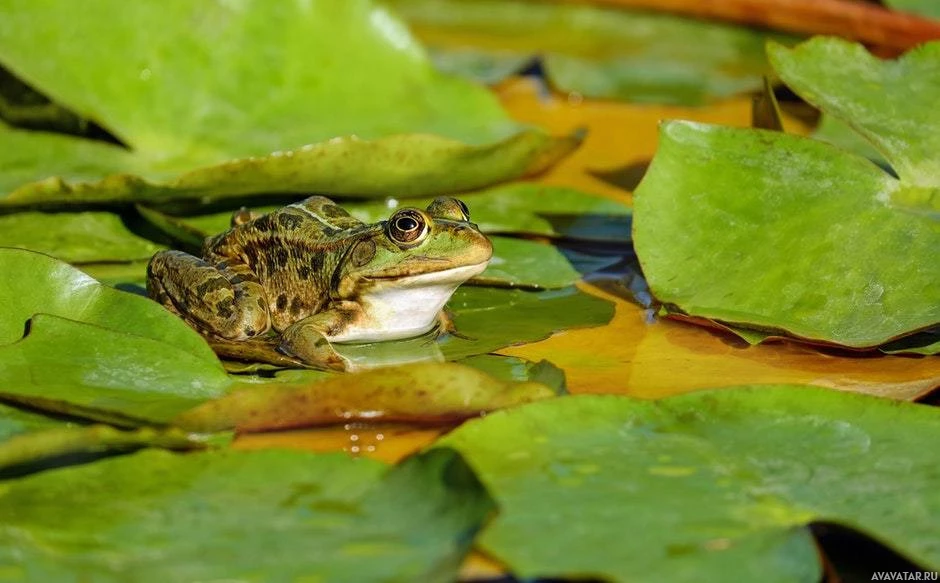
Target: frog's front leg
pixel 307 339
pixel 215 299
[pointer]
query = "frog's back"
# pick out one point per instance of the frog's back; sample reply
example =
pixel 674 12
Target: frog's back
pixel 292 252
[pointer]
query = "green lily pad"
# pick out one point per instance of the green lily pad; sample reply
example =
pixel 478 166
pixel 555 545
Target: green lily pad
pixel 404 165
pixel 924 7
pixel 783 233
pixel 216 100
pixel 488 319
pixel 75 237
pixel 264 515
pixel 504 368
pixel 438 393
pixel 523 263
pixel 841 134
pixel 36 446
pixel 95 351
pixel 511 368
pixel 104 374
pixel 716 485
pixel 890 103
pixel 597 52
pixel 46 285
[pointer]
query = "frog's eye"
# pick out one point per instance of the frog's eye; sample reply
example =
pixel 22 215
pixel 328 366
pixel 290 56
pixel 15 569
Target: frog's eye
pixel 463 209
pixel 407 227
pixel 449 208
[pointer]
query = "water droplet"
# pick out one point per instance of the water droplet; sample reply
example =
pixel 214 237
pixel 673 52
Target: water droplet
pixel 379 437
pixel 354 437
pixel 145 74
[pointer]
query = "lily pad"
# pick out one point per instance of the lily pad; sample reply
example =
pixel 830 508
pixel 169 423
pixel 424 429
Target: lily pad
pixel 890 103
pixel 488 319
pixel 216 98
pixel 36 446
pixel 436 393
pixel 403 165
pixel 75 237
pixel 715 485
pixel 841 134
pixel 510 368
pixel 104 374
pixel 95 351
pixel 783 233
pixel 221 516
pixel 594 51
pixel 44 284
pixel 925 7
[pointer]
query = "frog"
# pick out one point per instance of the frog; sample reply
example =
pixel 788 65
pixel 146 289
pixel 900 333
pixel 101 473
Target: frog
pixel 310 275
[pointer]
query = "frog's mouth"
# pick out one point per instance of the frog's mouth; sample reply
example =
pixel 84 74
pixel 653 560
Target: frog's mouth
pixel 454 275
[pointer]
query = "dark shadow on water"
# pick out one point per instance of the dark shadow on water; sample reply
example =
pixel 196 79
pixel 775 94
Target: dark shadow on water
pixel 855 557
pixel 132 288
pixel 58 462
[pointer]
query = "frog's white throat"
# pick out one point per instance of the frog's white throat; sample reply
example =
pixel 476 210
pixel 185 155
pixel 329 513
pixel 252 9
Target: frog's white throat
pixel 405 307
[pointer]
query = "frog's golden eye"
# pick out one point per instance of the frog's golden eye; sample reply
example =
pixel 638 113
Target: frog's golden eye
pixel 407 227
pixel 449 208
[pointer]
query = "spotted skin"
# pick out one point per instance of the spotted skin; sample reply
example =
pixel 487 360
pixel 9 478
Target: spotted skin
pixel 310 273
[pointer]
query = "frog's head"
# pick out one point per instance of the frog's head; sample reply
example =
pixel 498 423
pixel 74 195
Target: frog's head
pixel 414 248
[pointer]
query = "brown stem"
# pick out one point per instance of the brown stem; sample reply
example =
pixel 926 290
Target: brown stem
pixel 889 31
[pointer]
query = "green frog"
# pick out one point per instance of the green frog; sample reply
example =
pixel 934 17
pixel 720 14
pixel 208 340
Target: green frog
pixel 310 274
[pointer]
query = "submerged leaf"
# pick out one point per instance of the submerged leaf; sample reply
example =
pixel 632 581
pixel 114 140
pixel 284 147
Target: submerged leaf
pixel 266 515
pixel 594 51
pixel 778 232
pixel 720 485
pixel 439 393
pixel 215 99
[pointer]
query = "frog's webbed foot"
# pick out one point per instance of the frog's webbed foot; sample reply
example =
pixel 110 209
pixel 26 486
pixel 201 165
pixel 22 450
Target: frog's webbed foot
pixel 214 299
pixel 307 341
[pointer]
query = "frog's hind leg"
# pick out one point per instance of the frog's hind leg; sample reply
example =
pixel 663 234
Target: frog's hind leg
pixel 214 299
